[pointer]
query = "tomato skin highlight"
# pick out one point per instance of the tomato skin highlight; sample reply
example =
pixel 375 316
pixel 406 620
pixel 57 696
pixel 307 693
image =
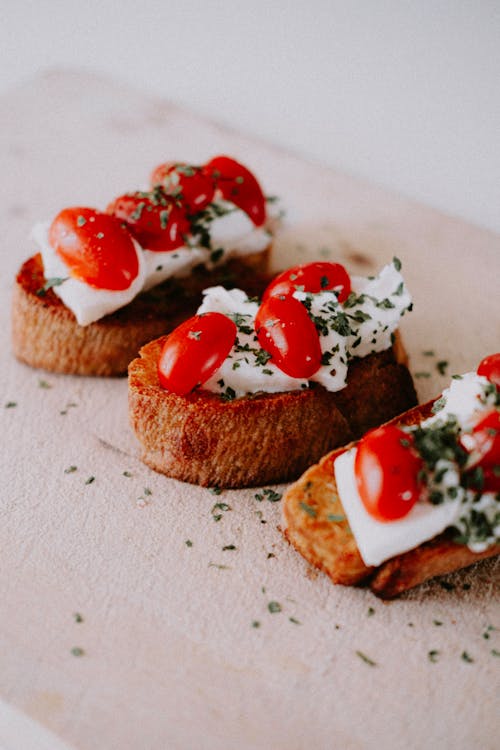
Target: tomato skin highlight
pixel 311 277
pixel 387 470
pixel 156 221
pixel 287 333
pixel 490 368
pixel 95 247
pixel 190 185
pixel 238 185
pixel 194 351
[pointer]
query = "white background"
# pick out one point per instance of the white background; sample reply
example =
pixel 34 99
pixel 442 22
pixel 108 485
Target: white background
pixel 406 94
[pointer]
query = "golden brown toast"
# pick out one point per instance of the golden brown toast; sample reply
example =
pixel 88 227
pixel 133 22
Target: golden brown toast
pixel 315 524
pixel 45 332
pixel 264 438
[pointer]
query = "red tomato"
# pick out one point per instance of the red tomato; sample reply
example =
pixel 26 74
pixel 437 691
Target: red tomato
pixel 189 185
pixel 238 185
pixel 96 248
pixel 194 351
pixel 483 446
pixel 386 469
pixel 311 277
pixel 155 219
pixel 491 479
pixel 285 330
pixel 490 368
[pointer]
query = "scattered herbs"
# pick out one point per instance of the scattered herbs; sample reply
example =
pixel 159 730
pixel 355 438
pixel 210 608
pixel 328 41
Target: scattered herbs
pixel 295 622
pixel 429 353
pixel 274 607
pixel 433 655
pixel 335 517
pixel 77 617
pixel 11 404
pixel 147 491
pixel 217 508
pixel 218 566
pixel 437 623
pixel 49 284
pixel 255 624
pixel 44 384
pixel 77 651
pixel 466 657
pixel 215 490
pixel 421 374
pixel 229 547
pixel 90 480
pixel 70 469
pixel 494 652
pixel 366 659
pixel 441 366
pixel 188 543
pixel 370 612
pixel 308 509
pixel 127 474
pixel 268 494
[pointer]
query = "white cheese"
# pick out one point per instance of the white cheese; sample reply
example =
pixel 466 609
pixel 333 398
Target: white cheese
pixel 376 540
pixel 379 541
pixel 231 234
pixel 361 326
pixel 86 302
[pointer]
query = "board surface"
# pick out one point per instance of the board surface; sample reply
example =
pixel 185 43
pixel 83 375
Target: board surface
pixel 186 642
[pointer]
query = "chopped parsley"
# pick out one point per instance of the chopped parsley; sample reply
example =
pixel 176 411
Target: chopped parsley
pixel 366 659
pixel 49 284
pixel 274 607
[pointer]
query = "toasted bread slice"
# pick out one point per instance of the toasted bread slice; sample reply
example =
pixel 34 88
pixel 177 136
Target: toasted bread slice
pixel 264 438
pixel 45 332
pixel 315 525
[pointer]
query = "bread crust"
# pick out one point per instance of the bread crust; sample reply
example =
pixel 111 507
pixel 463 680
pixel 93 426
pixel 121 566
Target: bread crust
pixel 45 332
pixel 315 525
pixel 260 439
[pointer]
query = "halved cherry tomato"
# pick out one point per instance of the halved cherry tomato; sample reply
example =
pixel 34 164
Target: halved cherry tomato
pixel 96 248
pixel 155 219
pixel 311 277
pixel 194 351
pixel 387 469
pixel 189 185
pixel 238 185
pixel 490 368
pixel 483 446
pixel 285 330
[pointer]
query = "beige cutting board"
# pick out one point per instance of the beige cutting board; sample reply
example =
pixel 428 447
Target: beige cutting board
pixel 172 658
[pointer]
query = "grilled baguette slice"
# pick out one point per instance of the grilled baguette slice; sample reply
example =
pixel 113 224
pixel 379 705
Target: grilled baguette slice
pixel 315 525
pixel 45 332
pixel 263 438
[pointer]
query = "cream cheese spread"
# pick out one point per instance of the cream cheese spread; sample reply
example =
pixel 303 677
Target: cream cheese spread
pixel 377 541
pixel 363 324
pixel 226 229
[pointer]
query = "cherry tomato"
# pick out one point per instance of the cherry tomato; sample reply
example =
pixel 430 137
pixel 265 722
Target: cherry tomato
pixel 483 446
pixel 189 185
pixel 96 248
pixel 285 330
pixel 156 220
pixel 491 479
pixel 238 185
pixel 387 469
pixel 490 368
pixel 311 277
pixel 194 351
